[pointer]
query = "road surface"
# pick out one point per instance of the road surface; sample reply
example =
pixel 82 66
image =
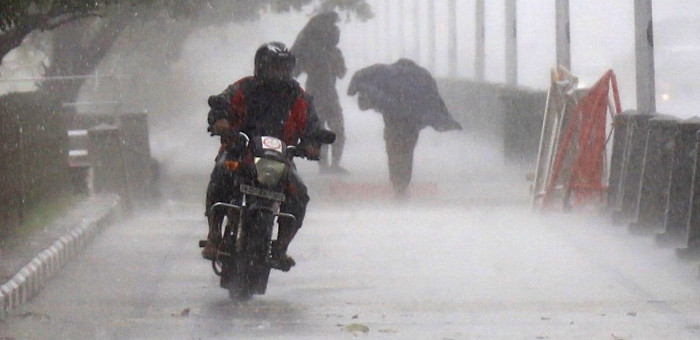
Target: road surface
pixel 465 258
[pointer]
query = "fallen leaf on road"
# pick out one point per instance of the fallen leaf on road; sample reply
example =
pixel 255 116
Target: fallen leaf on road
pixel 356 328
pixel 185 312
pixel 32 315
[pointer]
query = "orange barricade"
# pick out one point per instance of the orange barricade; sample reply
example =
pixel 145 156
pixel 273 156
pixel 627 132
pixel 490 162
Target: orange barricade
pixel 584 142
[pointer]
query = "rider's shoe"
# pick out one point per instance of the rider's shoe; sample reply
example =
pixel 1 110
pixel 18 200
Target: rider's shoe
pixel 209 251
pixel 334 170
pixel 337 169
pixel 283 261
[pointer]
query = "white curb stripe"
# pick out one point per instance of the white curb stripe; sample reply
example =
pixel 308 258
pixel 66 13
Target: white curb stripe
pixel 33 276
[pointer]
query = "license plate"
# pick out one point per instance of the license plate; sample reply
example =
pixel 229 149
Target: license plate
pixel 264 193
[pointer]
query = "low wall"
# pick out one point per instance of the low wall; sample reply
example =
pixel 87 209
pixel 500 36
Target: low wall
pixel 508 115
pixel 33 144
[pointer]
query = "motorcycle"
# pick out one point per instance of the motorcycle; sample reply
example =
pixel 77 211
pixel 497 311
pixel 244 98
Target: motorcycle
pixel 255 177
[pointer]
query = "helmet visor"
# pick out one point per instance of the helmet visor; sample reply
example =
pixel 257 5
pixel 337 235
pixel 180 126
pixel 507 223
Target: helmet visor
pixel 277 67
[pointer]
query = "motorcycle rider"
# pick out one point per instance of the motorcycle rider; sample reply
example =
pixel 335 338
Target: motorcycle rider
pixel 269 103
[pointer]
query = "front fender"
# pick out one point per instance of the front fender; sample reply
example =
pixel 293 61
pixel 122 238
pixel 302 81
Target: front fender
pixel 261 218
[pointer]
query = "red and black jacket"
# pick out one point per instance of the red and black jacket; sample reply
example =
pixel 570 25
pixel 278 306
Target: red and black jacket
pixel 258 108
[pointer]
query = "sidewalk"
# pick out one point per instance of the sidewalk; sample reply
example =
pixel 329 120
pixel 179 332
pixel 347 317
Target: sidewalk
pixel 25 268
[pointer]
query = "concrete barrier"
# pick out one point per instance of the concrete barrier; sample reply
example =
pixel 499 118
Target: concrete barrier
pixel 631 173
pixel 656 175
pixel 680 186
pixel 4 301
pixel 12 290
pixel 522 124
pixel 20 282
pixel 44 270
pixel 30 271
pixel 692 249
pixel 509 115
pixel 108 163
pixel 133 129
pixel 133 149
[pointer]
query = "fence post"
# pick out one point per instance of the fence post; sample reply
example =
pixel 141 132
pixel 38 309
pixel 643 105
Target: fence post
pixel 656 175
pixel 105 149
pixel 680 186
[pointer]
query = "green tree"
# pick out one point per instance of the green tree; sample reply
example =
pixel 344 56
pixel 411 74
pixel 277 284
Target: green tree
pixel 84 30
pixel 20 17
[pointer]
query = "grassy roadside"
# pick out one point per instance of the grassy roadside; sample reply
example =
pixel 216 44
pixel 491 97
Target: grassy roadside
pixel 37 218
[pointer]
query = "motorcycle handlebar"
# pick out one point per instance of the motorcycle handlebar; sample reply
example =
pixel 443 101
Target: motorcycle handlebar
pixel 324 136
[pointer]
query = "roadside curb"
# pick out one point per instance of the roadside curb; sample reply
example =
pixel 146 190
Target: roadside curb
pixel 29 281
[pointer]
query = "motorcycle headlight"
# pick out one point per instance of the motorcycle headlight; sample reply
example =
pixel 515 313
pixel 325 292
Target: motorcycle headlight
pixel 269 171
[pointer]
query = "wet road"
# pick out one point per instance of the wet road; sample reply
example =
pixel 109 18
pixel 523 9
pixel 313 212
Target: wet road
pixel 445 271
pixel 464 259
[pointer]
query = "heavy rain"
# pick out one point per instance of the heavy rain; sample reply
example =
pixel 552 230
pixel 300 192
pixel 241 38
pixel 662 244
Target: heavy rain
pixel 500 233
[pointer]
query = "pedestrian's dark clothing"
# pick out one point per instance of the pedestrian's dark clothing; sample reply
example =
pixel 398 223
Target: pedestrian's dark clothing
pixel 319 57
pixel 407 97
pixel 280 109
pixel 400 137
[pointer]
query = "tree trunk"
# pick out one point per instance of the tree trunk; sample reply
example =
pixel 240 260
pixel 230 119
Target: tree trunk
pixel 13 38
pixel 78 49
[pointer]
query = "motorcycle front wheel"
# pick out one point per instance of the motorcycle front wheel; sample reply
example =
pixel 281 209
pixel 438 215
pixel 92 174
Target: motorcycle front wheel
pixel 250 269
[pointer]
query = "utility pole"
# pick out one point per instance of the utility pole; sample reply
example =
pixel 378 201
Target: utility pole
pixel 368 39
pixel 416 31
pixel 480 48
pixel 388 22
pixel 402 31
pixel 644 56
pixel 563 34
pixel 452 37
pixel 511 43
pixel 431 35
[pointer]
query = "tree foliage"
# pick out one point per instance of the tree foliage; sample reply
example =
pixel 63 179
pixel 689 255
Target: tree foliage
pixel 47 14
pixel 216 11
pixel 20 17
pixel 79 48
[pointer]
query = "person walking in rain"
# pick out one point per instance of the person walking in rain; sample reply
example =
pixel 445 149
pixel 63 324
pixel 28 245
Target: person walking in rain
pixel 318 55
pixel 407 97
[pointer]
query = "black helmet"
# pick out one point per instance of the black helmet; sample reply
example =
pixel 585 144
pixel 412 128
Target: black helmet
pixel 274 61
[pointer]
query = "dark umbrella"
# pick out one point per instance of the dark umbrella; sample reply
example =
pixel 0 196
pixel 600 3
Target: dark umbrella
pixel 319 33
pixel 402 88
